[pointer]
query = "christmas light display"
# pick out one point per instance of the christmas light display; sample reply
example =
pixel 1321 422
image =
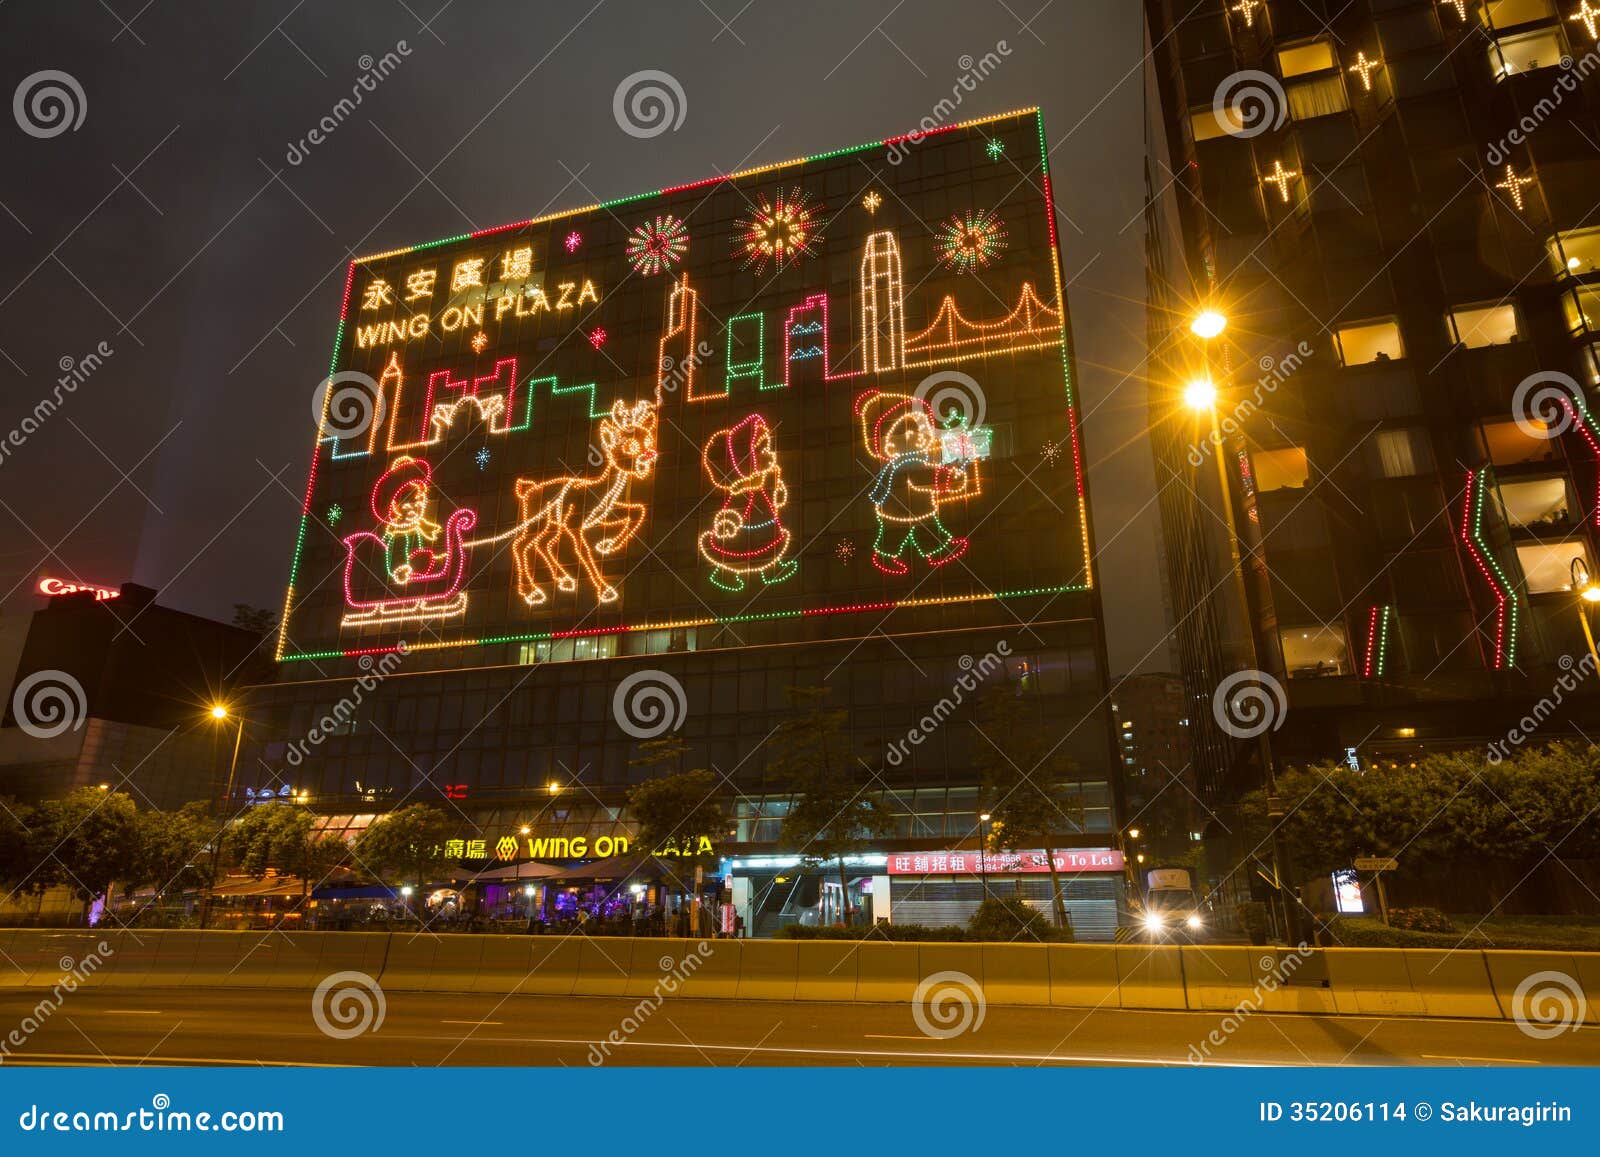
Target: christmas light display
pixel 1280 177
pixel 542 524
pixel 1372 666
pixel 971 241
pixel 1364 68
pixel 658 246
pixel 1513 186
pixel 1505 595
pixel 335 513
pixel 1589 17
pixel 777 231
pixel 1246 11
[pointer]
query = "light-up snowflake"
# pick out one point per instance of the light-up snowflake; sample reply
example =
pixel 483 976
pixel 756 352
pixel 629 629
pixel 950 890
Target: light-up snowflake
pixel 845 551
pixel 657 246
pixel 996 149
pixel 597 337
pixel 482 458
pixel 779 231
pixel 971 241
pixel 479 340
pixel 335 513
pixel 1050 451
pixel 574 239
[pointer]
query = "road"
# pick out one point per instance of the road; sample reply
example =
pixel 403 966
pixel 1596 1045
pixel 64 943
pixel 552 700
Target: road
pixel 273 1026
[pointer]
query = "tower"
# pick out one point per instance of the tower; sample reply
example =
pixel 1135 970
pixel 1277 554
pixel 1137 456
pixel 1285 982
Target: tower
pixel 883 314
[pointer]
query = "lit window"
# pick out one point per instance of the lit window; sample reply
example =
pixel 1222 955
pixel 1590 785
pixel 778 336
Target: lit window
pixel 1505 13
pixel 1581 304
pixel 1480 325
pixel 1372 341
pixel 1537 503
pixel 1299 59
pixel 1207 124
pixel 1315 651
pixel 1402 453
pixel 1284 469
pixel 1318 97
pixel 1575 252
pixel 1548 566
pixel 1511 55
pixel 1510 445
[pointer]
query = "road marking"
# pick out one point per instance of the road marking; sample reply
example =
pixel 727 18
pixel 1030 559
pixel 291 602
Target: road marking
pixel 131 1011
pixel 472 1022
pixel 1485 1060
pixel 56 1060
pixel 892 1036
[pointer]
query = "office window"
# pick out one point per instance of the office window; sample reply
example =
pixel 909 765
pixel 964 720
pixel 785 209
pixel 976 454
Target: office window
pixel 1505 13
pixel 1548 566
pixel 1402 453
pixel 1312 56
pixel 1581 304
pixel 1315 651
pixel 1575 252
pixel 1510 443
pixel 1536 503
pixel 1510 55
pixel 1371 341
pixel 1475 326
pixel 1284 469
pixel 1207 124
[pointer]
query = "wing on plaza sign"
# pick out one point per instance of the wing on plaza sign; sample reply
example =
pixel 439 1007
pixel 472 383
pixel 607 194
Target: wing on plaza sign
pixel 793 403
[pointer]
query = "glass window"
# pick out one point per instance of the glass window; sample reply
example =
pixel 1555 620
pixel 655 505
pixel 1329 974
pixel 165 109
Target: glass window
pixel 1510 55
pixel 1548 566
pixel 1505 13
pixel 1476 326
pixel 1402 453
pixel 1372 341
pixel 1299 59
pixel 1207 124
pixel 1581 304
pixel 1535 502
pixel 1314 651
pixel 1284 469
pixel 1319 97
pixel 1575 252
pixel 1510 443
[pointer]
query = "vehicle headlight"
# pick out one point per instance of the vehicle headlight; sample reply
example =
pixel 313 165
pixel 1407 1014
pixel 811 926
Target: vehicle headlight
pixel 1194 922
pixel 1152 921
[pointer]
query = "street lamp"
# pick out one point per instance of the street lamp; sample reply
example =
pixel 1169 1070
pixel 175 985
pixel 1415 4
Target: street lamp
pixel 1589 592
pixel 983 849
pixel 1207 324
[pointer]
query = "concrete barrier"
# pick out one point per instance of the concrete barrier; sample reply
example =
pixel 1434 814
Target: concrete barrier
pixel 1452 983
pixel 1372 981
pixel 12 974
pixel 605 964
pixel 711 972
pixel 1150 976
pixel 1016 973
pixel 233 959
pixel 1576 981
pixel 409 964
pixel 768 969
pixel 175 954
pixel 552 966
pixel 888 973
pixel 504 963
pixel 826 970
pixel 1083 976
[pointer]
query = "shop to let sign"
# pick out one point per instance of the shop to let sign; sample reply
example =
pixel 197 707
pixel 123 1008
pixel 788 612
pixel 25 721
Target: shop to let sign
pixel 1003 863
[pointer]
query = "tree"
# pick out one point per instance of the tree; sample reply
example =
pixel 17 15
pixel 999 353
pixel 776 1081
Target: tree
pixel 257 620
pixel 677 809
pixel 15 825
pixel 1027 786
pixel 668 751
pixel 175 849
pixel 87 840
pixel 408 843
pixel 283 837
pixel 833 816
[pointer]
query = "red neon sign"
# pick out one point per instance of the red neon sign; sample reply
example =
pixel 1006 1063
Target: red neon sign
pixel 50 587
pixel 971 863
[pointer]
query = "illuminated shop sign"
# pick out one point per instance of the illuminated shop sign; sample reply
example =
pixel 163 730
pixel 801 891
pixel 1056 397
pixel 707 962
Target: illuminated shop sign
pixel 1003 863
pixel 49 587
pixel 507 848
pixel 752 409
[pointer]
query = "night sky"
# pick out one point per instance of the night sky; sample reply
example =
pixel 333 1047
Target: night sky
pixel 172 228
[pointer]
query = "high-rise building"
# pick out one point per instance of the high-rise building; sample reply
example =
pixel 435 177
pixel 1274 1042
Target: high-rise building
pixel 1392 203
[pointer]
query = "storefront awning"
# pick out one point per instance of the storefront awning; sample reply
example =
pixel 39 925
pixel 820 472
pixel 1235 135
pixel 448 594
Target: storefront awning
pixel 527 871
pixel 245 886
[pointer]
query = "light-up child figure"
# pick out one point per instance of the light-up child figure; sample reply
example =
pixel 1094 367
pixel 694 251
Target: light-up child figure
pixel 747 536
pixel 912 483
pixel 400 500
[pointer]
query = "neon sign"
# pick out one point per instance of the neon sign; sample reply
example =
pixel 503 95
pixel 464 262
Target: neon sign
pixel 50 587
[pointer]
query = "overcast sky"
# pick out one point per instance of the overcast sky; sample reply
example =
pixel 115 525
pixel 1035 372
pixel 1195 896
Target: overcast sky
pixel 171 228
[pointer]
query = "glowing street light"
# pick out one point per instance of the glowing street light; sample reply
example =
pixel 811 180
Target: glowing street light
pixel 1207 324
pixel 1200 394
pixel 218 711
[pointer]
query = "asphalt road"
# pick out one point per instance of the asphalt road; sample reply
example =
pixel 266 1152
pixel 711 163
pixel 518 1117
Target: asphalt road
pixel 259 1026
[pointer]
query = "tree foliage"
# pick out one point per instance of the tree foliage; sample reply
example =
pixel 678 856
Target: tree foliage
pixel 677 808
pixel 405 846
pixel 85 841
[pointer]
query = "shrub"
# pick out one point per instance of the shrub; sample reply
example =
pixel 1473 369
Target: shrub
pixel 1010 919
pixel 1420 920
pixel 893 932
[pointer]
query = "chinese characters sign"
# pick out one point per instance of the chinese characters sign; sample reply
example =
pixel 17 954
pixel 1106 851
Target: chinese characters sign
pixel 973 863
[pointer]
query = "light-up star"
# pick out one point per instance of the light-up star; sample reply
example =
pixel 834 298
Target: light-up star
pixel 1513 185
pixel 597 337
pixel 1364 68
pixel 574 239
pixel 1460 6
pixel 871 201
pixel 1586 16
pixel 335 513
pixel 1280 177
pixel 482 458
pixel 1246 9
pixel 996 148
pixel 479 340
pixel 845 551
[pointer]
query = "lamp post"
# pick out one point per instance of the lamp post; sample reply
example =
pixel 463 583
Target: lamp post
pixel 1588 592
pixel 983 850
pixel 220 713
pixel 1201 396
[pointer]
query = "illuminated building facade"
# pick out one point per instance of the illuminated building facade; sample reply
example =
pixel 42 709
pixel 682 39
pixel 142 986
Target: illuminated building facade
pixel 638 468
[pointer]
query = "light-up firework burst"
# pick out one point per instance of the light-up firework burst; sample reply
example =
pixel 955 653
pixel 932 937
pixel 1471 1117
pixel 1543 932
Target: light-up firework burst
pixel 971 241
pixel 779 231
pixel 658 245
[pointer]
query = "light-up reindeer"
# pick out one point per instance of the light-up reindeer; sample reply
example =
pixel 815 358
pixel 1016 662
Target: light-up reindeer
pixel 575 508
